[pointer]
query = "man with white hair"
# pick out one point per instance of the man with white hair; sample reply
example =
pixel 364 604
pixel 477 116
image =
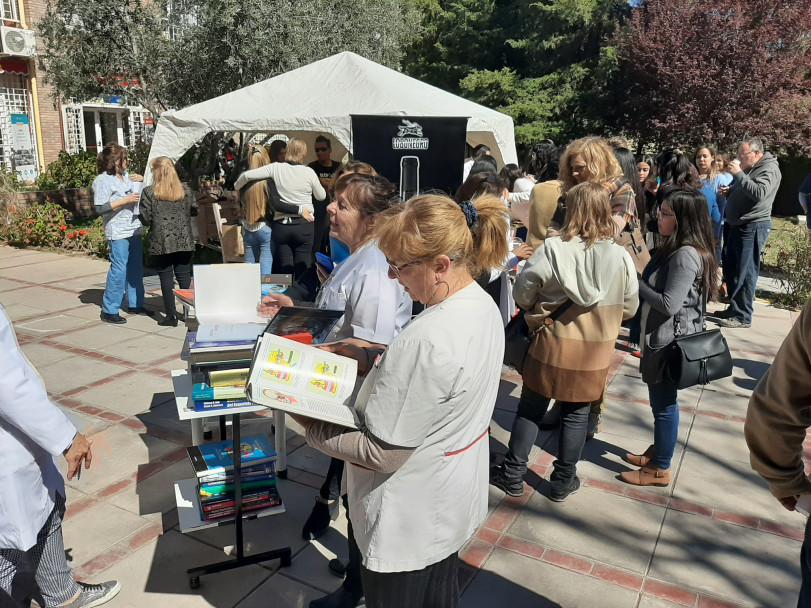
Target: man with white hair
pixel 755 180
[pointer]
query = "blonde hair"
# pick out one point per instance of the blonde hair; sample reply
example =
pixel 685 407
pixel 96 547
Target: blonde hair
pixel 167 184
pixel 588 214
pixel 254 197
pixel 431 225
pixel 599 159
pixel 296 150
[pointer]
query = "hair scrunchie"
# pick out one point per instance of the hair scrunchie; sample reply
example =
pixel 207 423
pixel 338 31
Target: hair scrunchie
pixel 471 214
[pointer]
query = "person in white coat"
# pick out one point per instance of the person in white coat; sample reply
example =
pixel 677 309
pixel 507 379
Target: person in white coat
pixel 33 433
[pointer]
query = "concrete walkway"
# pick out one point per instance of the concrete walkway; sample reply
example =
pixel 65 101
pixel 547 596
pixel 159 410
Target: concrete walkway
pixel 714 538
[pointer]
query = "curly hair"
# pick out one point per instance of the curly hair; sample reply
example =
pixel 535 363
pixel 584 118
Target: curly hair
pixel 599 159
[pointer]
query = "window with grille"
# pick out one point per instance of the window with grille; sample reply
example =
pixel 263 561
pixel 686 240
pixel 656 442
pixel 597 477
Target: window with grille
pixel 73 128
pixel 180 16
pixel 14 99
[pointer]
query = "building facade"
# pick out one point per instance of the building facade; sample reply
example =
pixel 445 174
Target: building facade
pixel 33 127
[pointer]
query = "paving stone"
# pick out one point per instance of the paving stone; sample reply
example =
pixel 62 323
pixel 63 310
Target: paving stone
pixel 109 524
pixel 742 565
pixel 85 423
pixel 76 371
pixel 130 394
pixel 309 459
pixel 143 348
pixel 41 355
pixel 649 601
pixel 285 593
pixel 509 579
pixel 721 439
pixel 155 575
pixel 47 326
pixel 622 532
pixel 724 402
pixel 309 567
pixel 734 487
pixel 10 285
pixel 58 268
pixel 117 454
pixel 99 336
pixel 154 495
pixel 20 312
pixel 10 259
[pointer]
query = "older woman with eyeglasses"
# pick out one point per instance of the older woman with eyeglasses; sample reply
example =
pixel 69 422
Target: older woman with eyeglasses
pixel 375 310
pixel 417 474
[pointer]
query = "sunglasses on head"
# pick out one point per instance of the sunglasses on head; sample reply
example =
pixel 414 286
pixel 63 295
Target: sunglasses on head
pixel 321 149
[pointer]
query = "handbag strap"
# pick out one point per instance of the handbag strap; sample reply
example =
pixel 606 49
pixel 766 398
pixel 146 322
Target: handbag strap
pixel 677 325
pixel 558 312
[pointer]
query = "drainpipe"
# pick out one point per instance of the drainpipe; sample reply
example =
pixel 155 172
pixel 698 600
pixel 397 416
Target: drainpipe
pixel 34 95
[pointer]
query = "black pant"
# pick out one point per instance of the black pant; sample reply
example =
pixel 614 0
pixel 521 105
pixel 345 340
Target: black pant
pixel 574 419
pixel 353 582
pixel 331 488
pixel 435 586
pixel 320 226
pixel 178 262
pixel 292 248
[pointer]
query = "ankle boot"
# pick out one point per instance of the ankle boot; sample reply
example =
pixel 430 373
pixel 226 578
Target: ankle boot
pixel 169 321
pixel 640 460
pixel 649 475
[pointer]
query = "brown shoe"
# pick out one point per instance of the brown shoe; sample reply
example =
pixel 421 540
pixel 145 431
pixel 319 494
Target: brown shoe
pixel 640 460
pixel 648 475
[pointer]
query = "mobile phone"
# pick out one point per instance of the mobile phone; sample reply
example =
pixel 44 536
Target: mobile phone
pixel 325 261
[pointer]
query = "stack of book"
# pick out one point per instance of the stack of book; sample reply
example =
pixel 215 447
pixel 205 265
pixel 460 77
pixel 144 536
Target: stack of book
pixel 214 466
pixel 220 358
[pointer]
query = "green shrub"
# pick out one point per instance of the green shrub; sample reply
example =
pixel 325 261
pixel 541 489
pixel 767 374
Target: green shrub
pixel 69 171
pixel 794 270
pixel 10 182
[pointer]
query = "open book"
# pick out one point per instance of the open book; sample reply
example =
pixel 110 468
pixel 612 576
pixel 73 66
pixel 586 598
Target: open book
pixel 300 379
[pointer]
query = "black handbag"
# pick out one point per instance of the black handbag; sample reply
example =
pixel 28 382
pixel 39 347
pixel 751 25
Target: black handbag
pixel 699 358
pixel 518 337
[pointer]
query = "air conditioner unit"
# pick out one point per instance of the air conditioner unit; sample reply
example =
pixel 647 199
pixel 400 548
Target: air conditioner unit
pixel 17 42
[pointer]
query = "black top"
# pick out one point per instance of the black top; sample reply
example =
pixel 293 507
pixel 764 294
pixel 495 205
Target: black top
pixel 169 221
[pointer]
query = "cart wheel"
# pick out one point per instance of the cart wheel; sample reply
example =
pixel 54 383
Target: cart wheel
pixel 194 582
pixel 273 429
pixel 282 474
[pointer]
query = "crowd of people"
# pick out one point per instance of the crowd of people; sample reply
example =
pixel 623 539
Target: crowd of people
pixel 606 238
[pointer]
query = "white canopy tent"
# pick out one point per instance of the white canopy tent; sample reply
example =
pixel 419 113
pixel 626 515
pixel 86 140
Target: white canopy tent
pixel 319 99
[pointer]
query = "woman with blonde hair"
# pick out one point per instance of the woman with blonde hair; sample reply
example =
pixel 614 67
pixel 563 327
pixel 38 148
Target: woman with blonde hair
pixel 425 405
pixel 576 288
pixel 292 232
pixel 590 159
pixel 167 207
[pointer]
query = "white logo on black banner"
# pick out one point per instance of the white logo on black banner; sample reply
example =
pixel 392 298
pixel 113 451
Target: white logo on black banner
pixel 404 142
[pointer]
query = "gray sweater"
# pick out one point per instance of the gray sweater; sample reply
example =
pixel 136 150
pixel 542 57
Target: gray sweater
pixel 752 193
pixel 675 294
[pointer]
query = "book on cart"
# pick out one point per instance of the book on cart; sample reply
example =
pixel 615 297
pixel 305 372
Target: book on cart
pixel 250 503
pixel 218 457
pixel 304 380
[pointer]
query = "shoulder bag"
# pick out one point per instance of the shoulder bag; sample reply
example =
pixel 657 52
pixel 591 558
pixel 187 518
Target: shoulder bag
pixel 634 243
pixel 699 358
pixel 518 337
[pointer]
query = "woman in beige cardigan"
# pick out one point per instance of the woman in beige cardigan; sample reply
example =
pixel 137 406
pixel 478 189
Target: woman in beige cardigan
pixel 568 360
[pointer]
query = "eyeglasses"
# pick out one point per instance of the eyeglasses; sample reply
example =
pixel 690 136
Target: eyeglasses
pixel 321 149
pixel 396 270
pixel 747 153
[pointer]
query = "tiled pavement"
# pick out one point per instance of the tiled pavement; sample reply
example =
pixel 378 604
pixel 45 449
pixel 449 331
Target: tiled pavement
pixel 715 538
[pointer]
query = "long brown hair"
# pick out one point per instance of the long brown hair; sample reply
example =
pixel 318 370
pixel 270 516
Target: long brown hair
pixel 111 158
pixel 693 228
pixel 255 195
pixel 167 184
pixel 430 225
pixel 588 214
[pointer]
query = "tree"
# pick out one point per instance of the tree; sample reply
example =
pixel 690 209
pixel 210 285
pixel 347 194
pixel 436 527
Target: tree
pixel 547 64
pixel 717 73
pixel 95 47
pixel 173 53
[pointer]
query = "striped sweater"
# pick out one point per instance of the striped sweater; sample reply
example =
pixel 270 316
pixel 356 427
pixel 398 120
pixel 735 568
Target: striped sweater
pixel 569 359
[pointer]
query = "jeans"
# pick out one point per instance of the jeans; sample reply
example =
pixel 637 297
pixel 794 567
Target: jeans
pixel 178 262
pixel 665 405
pixel 125 274
pixel 571 437
pixel 257 247
pixel 805 568
pixel 743 258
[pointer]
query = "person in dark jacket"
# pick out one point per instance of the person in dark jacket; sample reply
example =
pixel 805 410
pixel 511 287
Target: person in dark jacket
pixel 167 207
pixel 755 180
